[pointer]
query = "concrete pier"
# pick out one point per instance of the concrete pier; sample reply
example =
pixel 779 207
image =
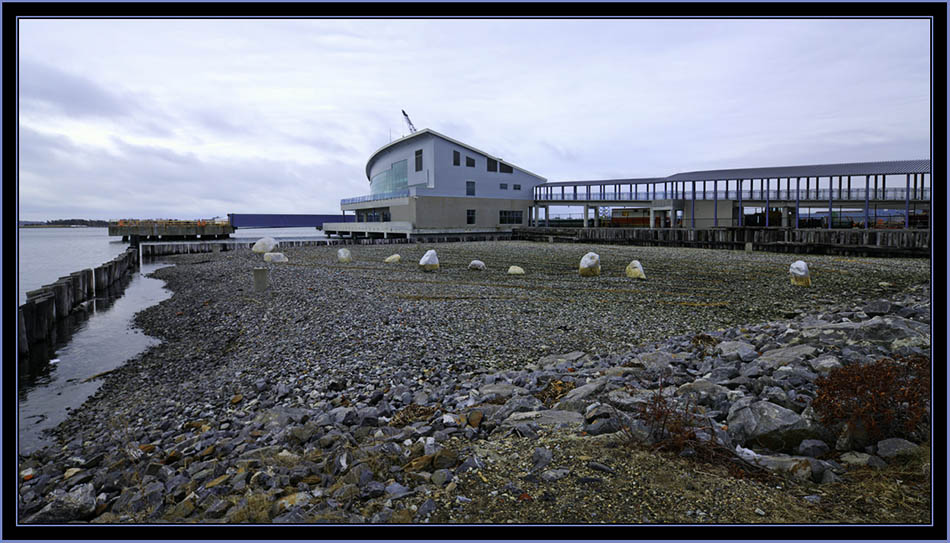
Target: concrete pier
pixel 136 230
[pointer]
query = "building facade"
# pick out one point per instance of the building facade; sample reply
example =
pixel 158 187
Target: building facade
pixel 429 183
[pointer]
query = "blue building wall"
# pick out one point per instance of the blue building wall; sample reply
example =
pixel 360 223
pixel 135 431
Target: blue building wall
pixel 253 220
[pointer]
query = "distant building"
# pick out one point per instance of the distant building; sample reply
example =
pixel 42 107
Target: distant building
pixel 430 183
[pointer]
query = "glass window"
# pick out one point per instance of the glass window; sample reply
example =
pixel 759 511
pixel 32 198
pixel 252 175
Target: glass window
pixel 469 188
pixel 456 158
pixel 504 168
pixel 419 160
pixel 470 162
pixel 492 165
pixel 517 187
pixel 469 216
pixel 396 178
pixel 503 186
pixel 510 217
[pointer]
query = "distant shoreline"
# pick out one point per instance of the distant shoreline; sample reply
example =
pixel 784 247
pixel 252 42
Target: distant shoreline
pixel 59 226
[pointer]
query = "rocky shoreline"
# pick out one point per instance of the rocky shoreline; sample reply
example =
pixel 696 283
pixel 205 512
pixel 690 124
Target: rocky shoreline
pixel 371 392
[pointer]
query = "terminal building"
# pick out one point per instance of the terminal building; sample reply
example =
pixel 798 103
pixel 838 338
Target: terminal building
pixel 428 183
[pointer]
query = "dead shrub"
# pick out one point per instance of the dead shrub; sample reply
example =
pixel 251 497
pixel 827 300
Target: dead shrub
pixel 889 398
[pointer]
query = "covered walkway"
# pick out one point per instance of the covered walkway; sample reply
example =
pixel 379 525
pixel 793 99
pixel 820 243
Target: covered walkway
pixel 709 198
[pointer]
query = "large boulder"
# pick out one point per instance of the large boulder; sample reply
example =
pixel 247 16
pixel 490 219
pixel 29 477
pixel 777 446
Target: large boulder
pixel 798 271
pixel 264 245
pixel 768 424
pixel 515 270
pixel 590 265
pixel 634 270
pixel 547 417
pixel 77 504
pixel 787 355
pixel 393 259
pixel 344 255
pixel 274 257
pixel 579 398
pixel 476 265
pixel 429 261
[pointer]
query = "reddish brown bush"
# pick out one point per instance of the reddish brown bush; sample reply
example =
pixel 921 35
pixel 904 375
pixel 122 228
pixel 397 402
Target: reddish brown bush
pixel 888 397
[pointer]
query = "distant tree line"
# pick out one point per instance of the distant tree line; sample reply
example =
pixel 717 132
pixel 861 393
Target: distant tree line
pixel 69 222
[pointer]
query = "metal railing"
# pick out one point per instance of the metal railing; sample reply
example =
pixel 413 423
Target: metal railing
pixel 374 197
pixel 855 194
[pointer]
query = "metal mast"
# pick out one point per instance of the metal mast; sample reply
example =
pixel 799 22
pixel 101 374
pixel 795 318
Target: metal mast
pixel 412 128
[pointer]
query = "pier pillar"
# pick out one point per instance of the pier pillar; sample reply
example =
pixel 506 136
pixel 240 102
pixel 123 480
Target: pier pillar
pixel 586 211
pixel 260 279
pixel 652 222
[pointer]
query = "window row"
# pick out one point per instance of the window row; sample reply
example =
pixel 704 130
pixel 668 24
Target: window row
pixel 493 165
pixel 504 216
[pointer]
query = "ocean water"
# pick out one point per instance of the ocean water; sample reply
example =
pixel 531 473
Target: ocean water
pixel 92 343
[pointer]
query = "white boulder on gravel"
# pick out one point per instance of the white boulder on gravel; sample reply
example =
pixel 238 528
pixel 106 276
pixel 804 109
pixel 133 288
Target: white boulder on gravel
pixel 635 270
pixel 799 274
pixel 590 265
pixel 343 255
pixel 476 265
pixel 392 259
pixel 264 245
pixel 429 261
pixel 515 270
pixel 274 257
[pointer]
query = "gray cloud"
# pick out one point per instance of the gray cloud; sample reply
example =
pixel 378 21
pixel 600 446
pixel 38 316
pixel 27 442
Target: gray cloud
pixel 50 88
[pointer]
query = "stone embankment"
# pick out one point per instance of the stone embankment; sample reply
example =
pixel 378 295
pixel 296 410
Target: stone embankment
pixel 338 396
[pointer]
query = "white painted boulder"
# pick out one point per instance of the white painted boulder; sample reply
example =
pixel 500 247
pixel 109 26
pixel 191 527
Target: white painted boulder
pixel 344 255
pixel 274 257
pixel 429 261
pixel 635 270
pixel 392 259
pixel 476 265
pixel 590 265
pixel 515 270
pixel 264 245
pixel 798 271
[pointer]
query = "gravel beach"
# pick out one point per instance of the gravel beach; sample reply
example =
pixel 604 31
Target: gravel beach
pixel 373 392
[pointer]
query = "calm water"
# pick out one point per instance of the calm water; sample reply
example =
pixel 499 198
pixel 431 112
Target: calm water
pixel 106 338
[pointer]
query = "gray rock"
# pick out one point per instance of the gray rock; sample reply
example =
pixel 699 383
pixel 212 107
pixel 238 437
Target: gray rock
pixel 502 390
pixel 895 446
pixel 786 355
pixel 372 489
pixel 551 475
pixel 704 393
pixel 425 509
pixel 768 424
pixel 813 448
pixel 858 459
pixel 77 504
pixel 440 477
pixel 731 350
pixel 877 308
pixel 541 458
pixel 548 417
pixel 579 398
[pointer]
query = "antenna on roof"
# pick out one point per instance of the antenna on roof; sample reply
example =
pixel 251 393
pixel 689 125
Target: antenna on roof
pixel 412 128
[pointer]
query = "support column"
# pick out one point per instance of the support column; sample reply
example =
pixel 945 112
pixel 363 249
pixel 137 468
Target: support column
pixel 547 215
pixel 596 216
pixel 652 223
pixel 867 197
pixel 739 185
pixel 785 212
pixel 798 191
pixel 830 202
pixel 715 203
pixel 692 211
pixel 849 187
pixel 907 204
pixel 766 203
pixel 586 214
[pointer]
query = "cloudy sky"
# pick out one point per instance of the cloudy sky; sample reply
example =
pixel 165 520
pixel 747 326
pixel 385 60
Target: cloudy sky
pixel 198 118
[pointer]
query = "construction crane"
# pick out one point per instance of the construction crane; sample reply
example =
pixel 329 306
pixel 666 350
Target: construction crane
pixel 412 128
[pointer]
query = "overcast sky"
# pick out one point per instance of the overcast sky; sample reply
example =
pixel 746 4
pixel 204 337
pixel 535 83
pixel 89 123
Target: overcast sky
pixel 197 118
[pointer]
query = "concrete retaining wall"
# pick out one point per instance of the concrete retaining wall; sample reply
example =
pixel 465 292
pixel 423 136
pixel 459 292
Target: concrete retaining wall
pixel 52 303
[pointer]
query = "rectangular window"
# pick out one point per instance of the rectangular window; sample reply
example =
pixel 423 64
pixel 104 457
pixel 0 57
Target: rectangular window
pixel 510 217
pixel 517 187
pixel 504 168
pixel 419 160
pixel 503 186
pixel 470 162
pixel 469 216
pixel 469 188
pixel 492 165
pixel 456 158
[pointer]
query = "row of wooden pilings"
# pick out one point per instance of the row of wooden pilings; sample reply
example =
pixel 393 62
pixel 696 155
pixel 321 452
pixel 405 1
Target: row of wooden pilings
pixel 855 242
pixel 53 303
